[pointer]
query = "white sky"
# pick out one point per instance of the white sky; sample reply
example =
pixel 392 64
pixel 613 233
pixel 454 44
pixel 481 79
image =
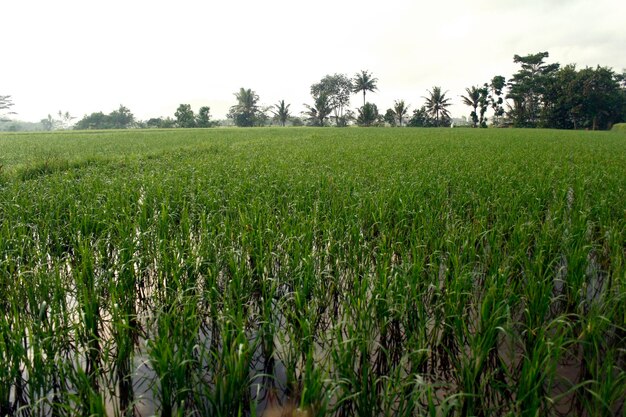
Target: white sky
pixel 84 56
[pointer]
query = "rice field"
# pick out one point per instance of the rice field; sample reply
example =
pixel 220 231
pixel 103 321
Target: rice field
pixel 316 272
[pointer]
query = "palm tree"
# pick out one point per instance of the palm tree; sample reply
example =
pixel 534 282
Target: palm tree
pixel 247 99
pixel 282 112
pixel 364 82
pixel 318 113
pixel 245 111
pixel 400 109
pixel 473 100
pixel 436 105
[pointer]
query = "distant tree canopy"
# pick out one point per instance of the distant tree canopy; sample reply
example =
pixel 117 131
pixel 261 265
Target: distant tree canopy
pixel 122 118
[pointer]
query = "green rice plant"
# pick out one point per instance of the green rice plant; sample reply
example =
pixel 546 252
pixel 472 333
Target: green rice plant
pixel 228 390
pixel 603 394
pixel 12 354
pixel 171 349
pixel 599 361
pixel 88 399
pixel 49 339
pixel 380 272
pixel 479 378
pixel 125 335
pixel 352 357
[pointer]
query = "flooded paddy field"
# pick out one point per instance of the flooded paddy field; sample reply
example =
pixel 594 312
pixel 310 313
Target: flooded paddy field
pixel 369 272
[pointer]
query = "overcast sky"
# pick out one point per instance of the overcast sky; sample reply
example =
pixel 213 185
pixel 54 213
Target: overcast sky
pixel 84 56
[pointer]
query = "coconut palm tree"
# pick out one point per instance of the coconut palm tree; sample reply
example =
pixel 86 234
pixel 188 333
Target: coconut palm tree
pixel 247 99
pixel 472 99
pixel 244 113
pixel 436 105
pixel 400 109
pixel 282 112
pixel 364 82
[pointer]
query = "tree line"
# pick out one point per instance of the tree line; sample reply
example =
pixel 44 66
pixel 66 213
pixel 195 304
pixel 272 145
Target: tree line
pixel 539 94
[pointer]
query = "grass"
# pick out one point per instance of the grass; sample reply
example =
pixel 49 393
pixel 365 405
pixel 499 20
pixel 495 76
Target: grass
pixel 345 272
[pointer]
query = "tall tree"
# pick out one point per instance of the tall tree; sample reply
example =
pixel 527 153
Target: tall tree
pixel 528 86
pixel 337 88
pixel 400 109
pixel 246 112
pixel 185 116
pixel 472 99
pixel 282 112
pixel 364 82
pixel 436 105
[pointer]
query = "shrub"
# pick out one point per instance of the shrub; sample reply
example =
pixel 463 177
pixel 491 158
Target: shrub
pixel 619 127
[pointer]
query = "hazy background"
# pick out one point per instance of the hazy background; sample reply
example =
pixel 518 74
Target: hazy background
pixel 87 56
